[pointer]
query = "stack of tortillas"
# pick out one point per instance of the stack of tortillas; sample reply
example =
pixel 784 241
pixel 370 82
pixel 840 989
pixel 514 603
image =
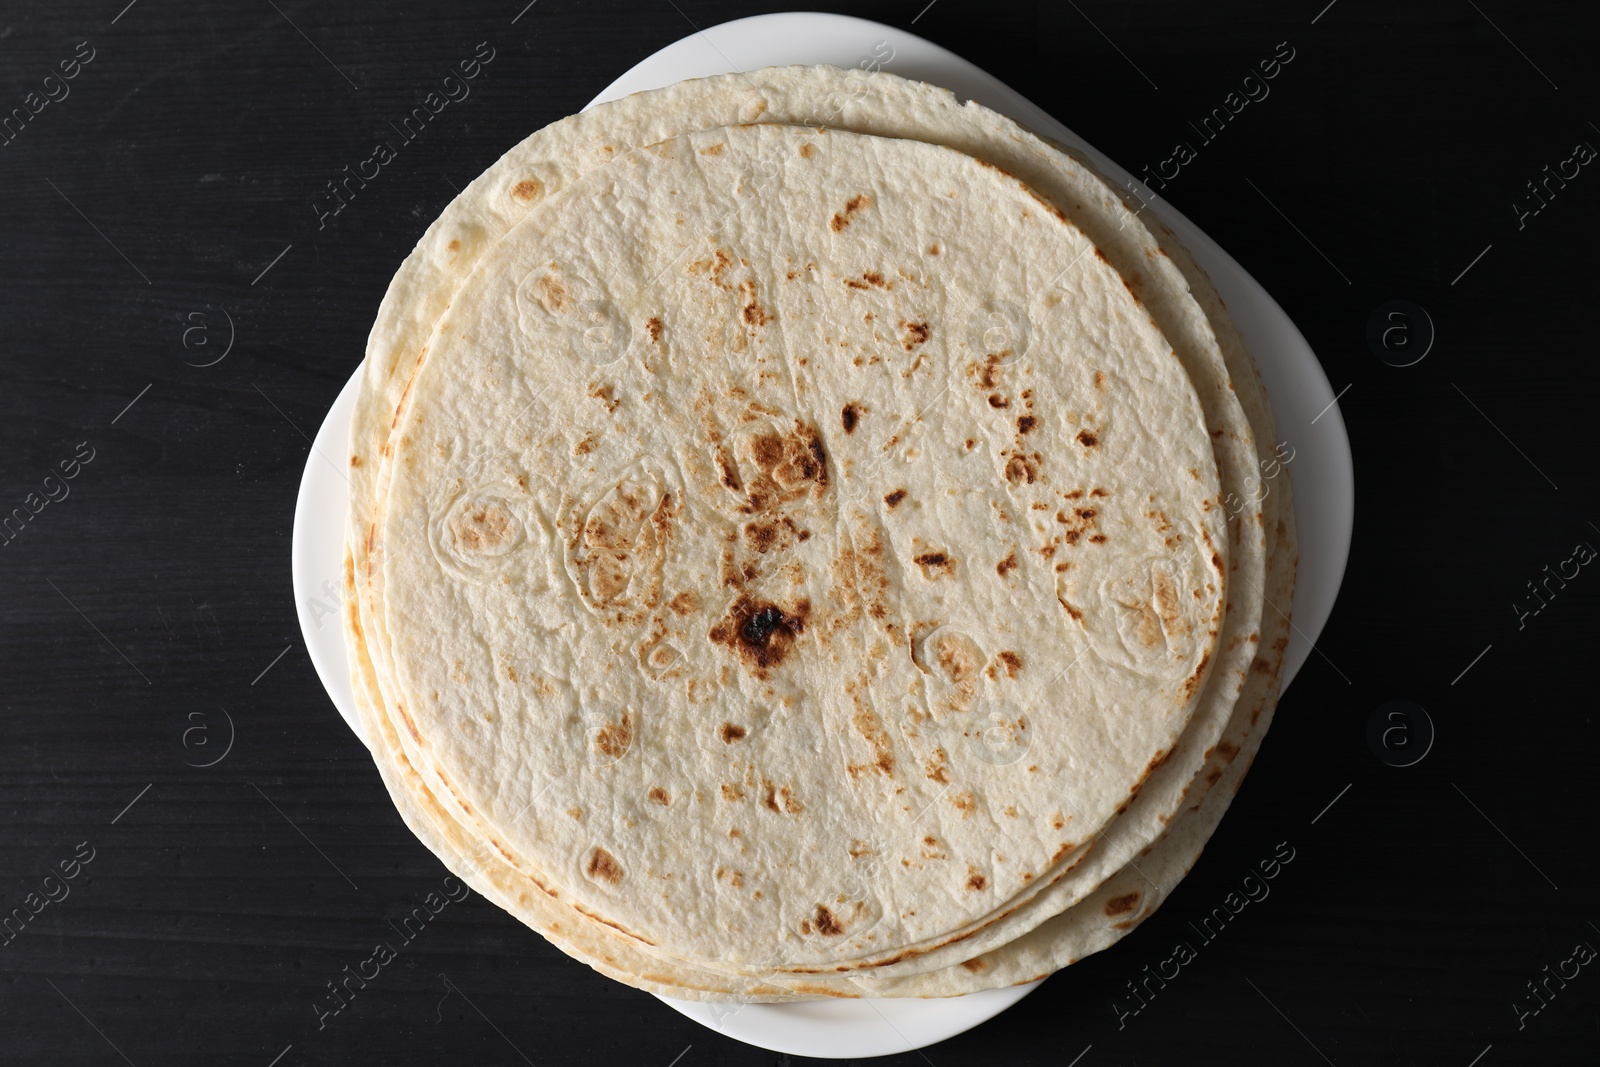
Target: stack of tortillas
pixel 811 537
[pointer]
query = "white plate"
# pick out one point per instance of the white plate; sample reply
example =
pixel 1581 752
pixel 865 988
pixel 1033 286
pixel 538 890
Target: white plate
pixel 1324 483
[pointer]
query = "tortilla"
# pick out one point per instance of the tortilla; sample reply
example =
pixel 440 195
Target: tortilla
pixel 876 103
pixel 927 111
pixel 651 524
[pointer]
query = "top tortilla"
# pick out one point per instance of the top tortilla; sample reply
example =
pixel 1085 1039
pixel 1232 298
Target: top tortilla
pixel 560 531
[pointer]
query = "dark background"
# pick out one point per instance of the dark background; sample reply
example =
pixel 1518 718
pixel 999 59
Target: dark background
pixel 1416 908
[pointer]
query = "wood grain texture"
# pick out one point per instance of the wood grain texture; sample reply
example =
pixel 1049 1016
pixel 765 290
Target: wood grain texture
pixel 190 152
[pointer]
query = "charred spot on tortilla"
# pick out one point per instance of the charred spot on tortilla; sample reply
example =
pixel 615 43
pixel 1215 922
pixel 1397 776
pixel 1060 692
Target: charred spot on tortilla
pixel 761 633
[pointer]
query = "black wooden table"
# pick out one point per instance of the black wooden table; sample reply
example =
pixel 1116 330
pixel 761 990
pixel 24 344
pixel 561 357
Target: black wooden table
pixel 164 170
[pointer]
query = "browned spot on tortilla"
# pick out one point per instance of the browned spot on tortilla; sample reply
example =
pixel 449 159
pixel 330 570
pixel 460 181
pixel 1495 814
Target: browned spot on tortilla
pixel 1228 749
pixel 714 149
pixel 975 965
pixel 604 866
pixel 615 738
pixel 1077 616
pixel 731 791
pixel 585 446
pixel 975 880
pixel 1013 663
pixel 965 803
pixel 868 280
pixel 849 416
pixel 660 796
pixel 482 528
pixel 1101 256
pixel 998 401
pixel 759 632
pixel 790 463
pixel 935 564
pixel 916 334
pixel 685 602
pixel 826 924
pixel 411 727
pixel 870 727
pixel 1193 680
pixel 851 207
pixel 987 372
pixel 806 989
pixel 527 189
pixel 957 656
pixel 1021 469
pixel 807 151
pixel 762 536
pixel 937 770
pixel 552 294
pixel 1026 423
pixel 1007 565
pixel 1166 598
pixel 653 324
pixel 754 313
pixel 1099 379
pixel 727 472
pixel 355 461
pixel 1087 439
pixel 455 245
pixel 731 732
pixel 893 499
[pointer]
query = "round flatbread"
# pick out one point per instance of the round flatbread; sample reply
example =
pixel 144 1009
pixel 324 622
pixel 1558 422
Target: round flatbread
pixel 639 546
